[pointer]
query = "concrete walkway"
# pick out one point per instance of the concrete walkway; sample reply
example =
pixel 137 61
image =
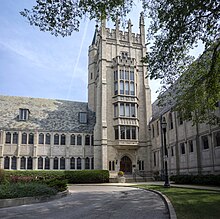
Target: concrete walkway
pixel 95 201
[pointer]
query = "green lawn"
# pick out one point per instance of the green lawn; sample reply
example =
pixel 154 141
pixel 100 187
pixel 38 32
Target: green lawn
pixel 191 203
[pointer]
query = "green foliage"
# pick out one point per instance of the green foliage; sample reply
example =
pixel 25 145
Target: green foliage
pixel 31 189
pixel 57 184
pixel 62 17
pixel 120 173
pixel 191 203
pixel 3 178
pixel 87 176
pixel 82 176
pixel 213 180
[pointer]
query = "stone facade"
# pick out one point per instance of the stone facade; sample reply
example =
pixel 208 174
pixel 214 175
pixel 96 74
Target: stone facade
pixel 120 96
pixel 192 149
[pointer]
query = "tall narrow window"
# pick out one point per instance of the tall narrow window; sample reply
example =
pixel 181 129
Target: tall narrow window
pixel 87 163
pixel 133 132
pixel 56 139
pixel 132 75
pixel 122 112
pixel 190 142
pixel 55 163
pixel 30 163
pixel 87 140
pixel 83 117
pixel 14 163
pixel 41 138
pixel 8 138
pixel 23 114
pixel 24 138
pixel 23 163
pixel 79 140
pixel 133 110
pixel 63 140
pixel 121 87
pixel 115 110
pixel 205 142
pixel 92 140
pixel 116 75
pixel 182 148
pixel 92 163
pixel 47 163
pixel 170 121
pixel 15 138
pixel 217 139
pixel 109 165
pixel 155 159
pixel 152 127
pixel 126 75
pixel 79 163
pixel 132 89
pixel 72 163
pixel 47 138
pixel 31 138
pixel 72 139
pixel 116 133
pixel 116 87
pixel 172 151
pixel 122 132
pixel 128 132
pixel 158 128
pixel 122 74
pixel 127 88
pixel 127 110
pixel 62 163
pixel 40 163
pixel 6 162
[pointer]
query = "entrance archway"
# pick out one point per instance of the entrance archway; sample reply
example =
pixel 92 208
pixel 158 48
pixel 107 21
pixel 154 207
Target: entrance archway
pixel 126 165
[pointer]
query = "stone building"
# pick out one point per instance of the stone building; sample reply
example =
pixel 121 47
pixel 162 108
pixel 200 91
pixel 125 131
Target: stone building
pixel 191 149
pixel 115 130
pixel 58 134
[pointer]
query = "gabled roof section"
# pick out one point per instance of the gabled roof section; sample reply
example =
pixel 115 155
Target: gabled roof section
pixel 46 115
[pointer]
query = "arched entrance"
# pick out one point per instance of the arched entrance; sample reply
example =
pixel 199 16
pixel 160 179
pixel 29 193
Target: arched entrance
pixel 126 164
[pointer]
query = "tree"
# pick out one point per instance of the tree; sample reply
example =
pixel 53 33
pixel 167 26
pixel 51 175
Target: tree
pixel 177 26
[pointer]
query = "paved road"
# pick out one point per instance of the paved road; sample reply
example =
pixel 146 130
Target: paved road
pixel 92 202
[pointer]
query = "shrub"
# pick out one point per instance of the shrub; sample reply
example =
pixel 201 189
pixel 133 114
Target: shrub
pixel 21 179
pixel 120 173
pixel 3 178
pixel 197 179
pixel 59 185
pixel 31 189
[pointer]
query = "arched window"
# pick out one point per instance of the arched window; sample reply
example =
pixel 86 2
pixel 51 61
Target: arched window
pixel 31 138
pixel 55 163
pixel 41 138
pixel 79 140
pixel 40 163
pixel 47 163
pixel 8 138
pixel 24 138
pixel 63 139
pixel 56 139
pixel 87 140
pixel 15 138
pixel 62 163
pixel 6 162
pixel 72 163
pixel 79 163
pixel 87 163
pixel 153 134
pixel 30 163
pixel 47 138
pixel 170 121
pixel 14 163
pixel 23 163
pixel 72 139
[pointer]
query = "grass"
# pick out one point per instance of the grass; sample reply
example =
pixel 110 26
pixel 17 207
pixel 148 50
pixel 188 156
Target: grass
pixel 31 189
pixel 191 203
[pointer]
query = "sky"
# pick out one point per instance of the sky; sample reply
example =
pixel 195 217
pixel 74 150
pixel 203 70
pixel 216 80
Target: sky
pixel 38 64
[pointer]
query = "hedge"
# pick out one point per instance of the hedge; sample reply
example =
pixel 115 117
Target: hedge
pixel 81 176
pixel 211 179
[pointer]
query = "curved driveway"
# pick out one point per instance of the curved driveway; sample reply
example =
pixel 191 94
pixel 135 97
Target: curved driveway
pixel 100 202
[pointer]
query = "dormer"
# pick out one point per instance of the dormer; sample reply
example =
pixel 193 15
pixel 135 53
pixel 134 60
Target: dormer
pixel 23 114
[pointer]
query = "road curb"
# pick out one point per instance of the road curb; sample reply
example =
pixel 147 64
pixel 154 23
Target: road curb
pixel 4 203
pixel 167 202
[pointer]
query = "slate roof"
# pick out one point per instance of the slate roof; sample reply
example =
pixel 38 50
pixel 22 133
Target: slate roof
pixel 45 115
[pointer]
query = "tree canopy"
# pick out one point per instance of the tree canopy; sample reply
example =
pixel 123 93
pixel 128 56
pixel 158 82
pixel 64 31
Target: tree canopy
pixel 176 27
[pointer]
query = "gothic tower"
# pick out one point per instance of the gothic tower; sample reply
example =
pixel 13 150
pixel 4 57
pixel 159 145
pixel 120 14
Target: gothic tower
pixel 119 94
